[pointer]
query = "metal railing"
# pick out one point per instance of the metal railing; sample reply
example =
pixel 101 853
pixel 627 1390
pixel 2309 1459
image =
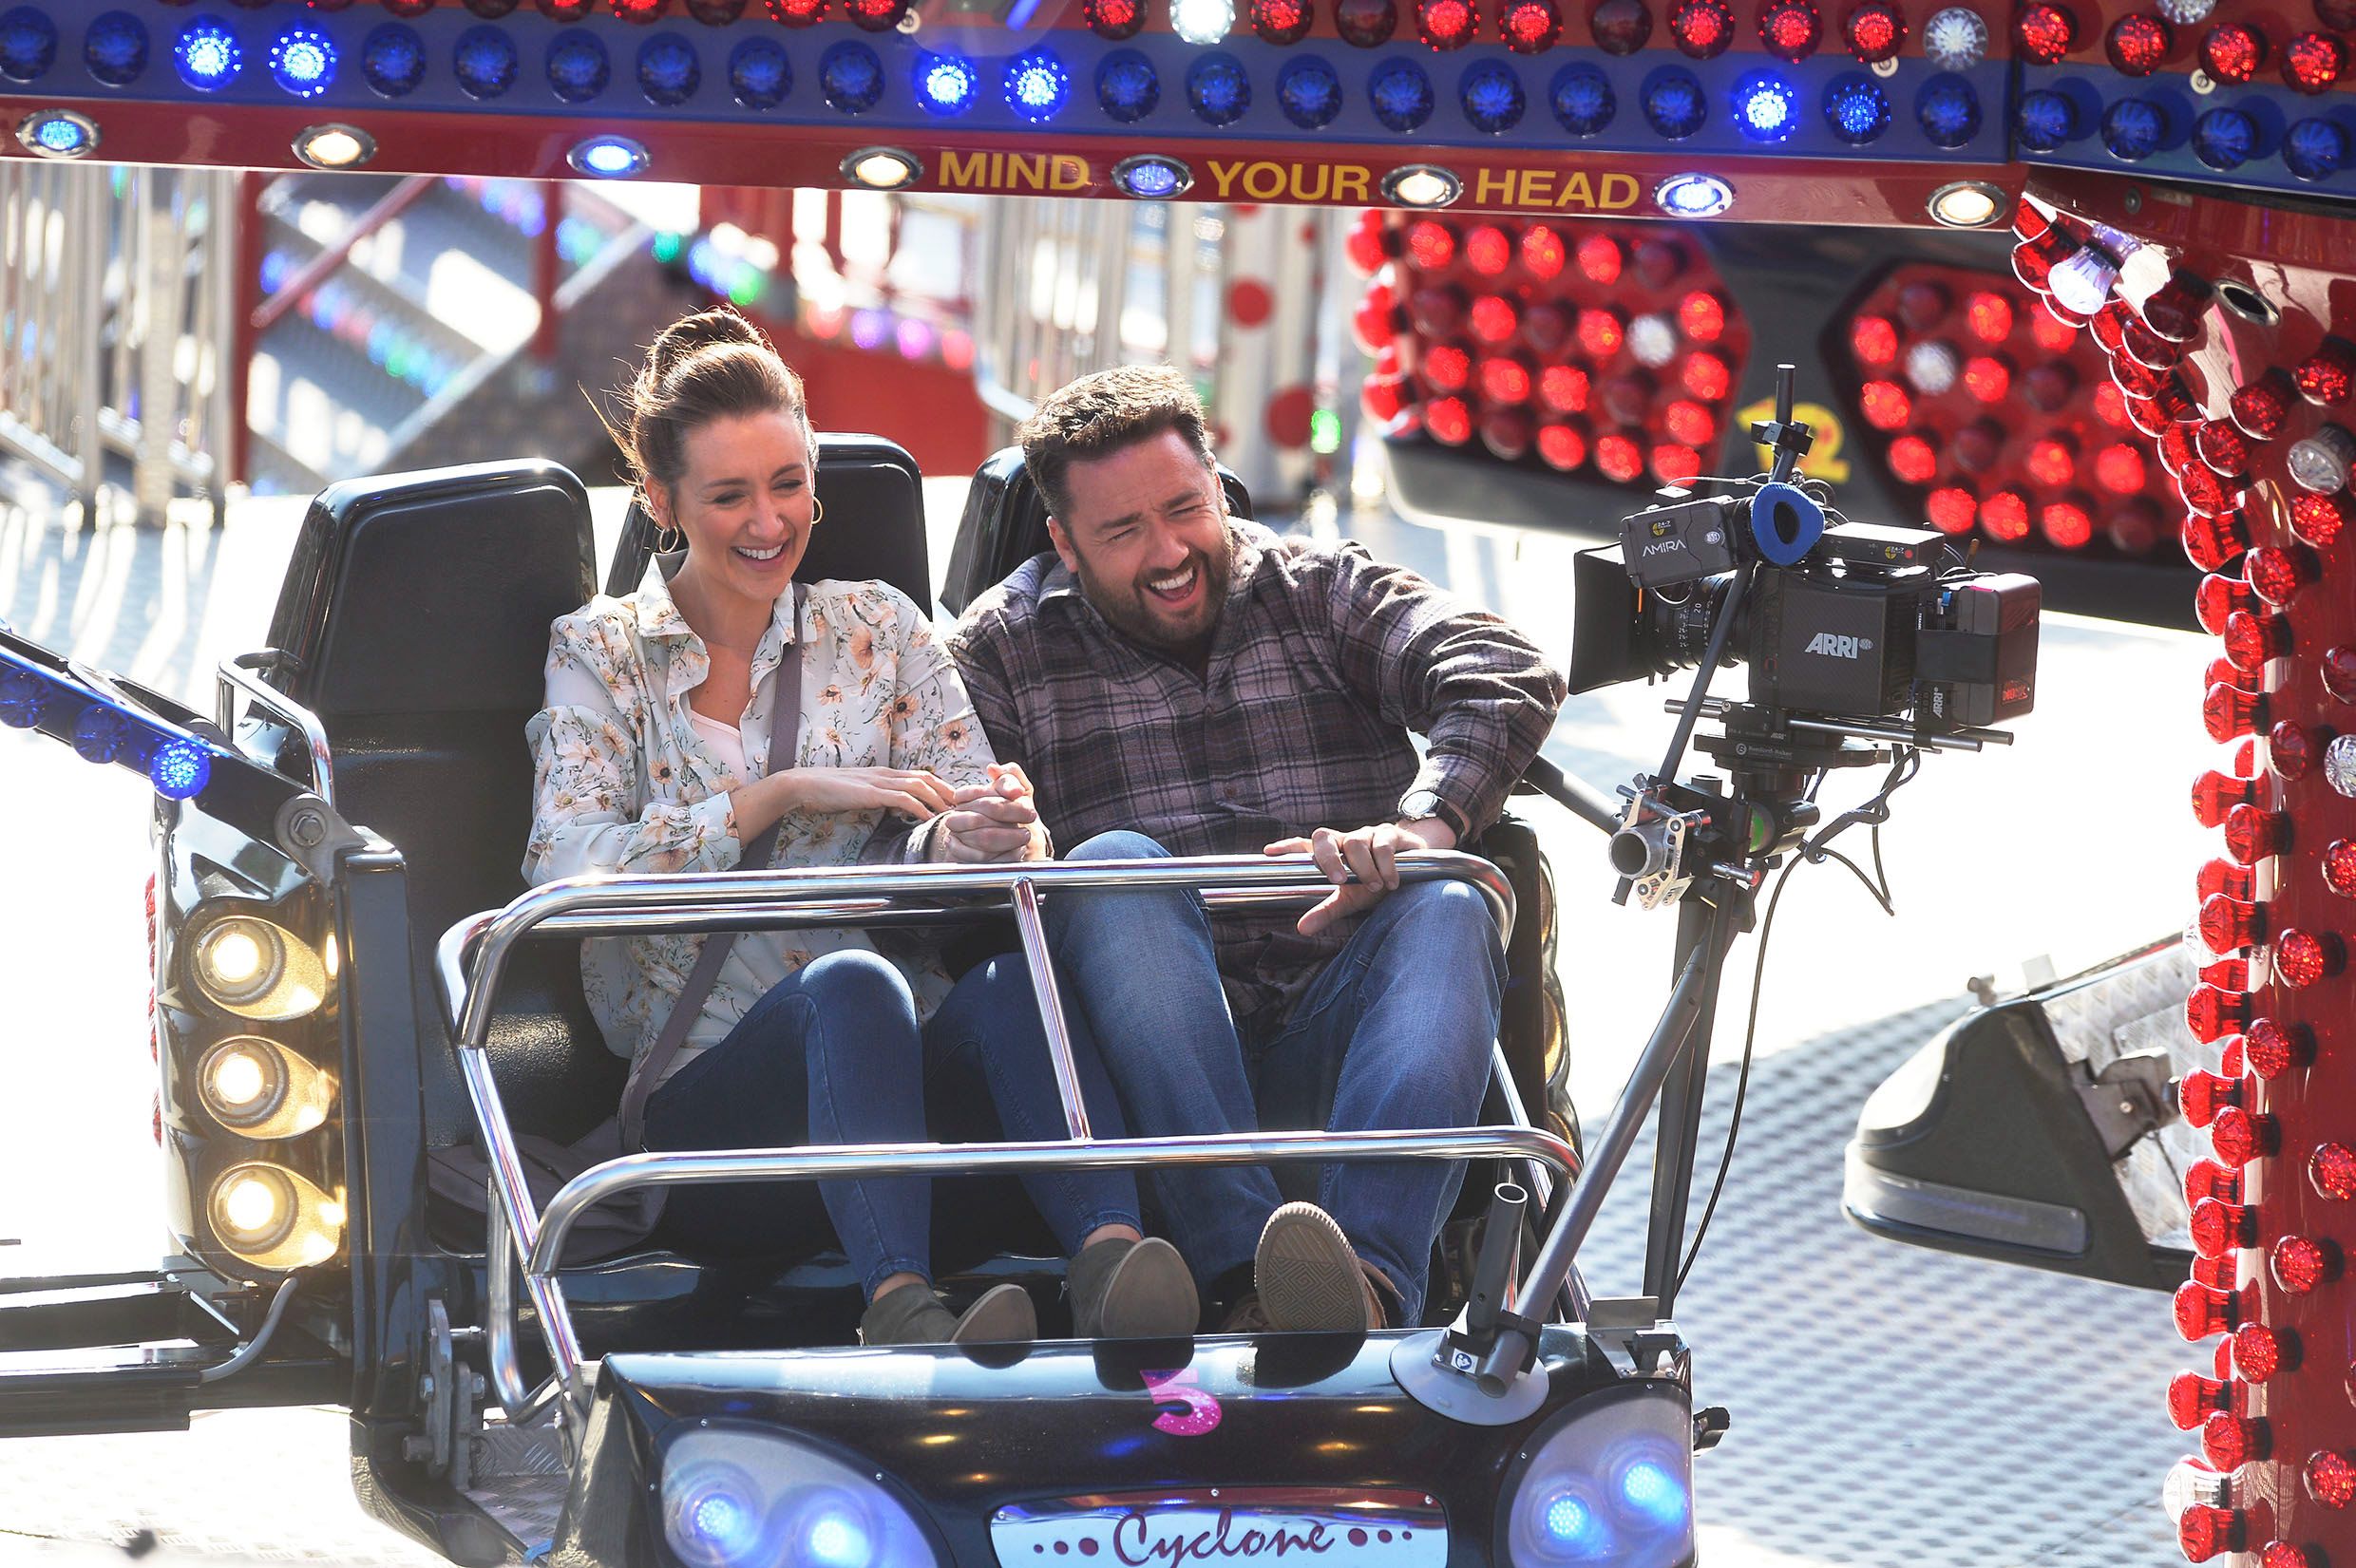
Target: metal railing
pixel 471 960
pixel 117 292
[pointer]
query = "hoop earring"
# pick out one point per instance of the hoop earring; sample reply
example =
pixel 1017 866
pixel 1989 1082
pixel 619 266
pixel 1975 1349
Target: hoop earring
pixel 670 540
pixel 818 511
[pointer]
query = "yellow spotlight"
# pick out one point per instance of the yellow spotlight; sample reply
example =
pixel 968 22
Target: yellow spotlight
pixel 260 1088
pixel 335 146
pixel 1422 185
pixel 274 1218
pixel 256 968
pixel 883 168
pixel 1967 204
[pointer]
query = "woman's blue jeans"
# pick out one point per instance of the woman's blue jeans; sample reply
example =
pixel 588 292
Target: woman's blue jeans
pixel 833 1054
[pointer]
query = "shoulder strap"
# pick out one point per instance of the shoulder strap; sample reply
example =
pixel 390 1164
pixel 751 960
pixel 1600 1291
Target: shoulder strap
pixel 785 730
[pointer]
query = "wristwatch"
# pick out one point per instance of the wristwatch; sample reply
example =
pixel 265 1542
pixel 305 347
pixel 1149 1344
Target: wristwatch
pixel 1426 802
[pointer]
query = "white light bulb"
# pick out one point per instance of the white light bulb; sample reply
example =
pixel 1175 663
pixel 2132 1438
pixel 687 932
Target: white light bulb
pixel 234 957
pixel 251 1206
pixel 1201 21
pixel 1652 340
pixel 1955 39
pixel 1932 366
pixel 238 1079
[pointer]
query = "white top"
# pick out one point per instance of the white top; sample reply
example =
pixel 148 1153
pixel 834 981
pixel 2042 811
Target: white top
pixel 726 741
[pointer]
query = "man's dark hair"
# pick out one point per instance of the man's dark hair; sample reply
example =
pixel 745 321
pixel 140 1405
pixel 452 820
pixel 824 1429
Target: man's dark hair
pixel 1103 412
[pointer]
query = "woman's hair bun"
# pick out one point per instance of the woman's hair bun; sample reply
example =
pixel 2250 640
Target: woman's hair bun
pixel 704 329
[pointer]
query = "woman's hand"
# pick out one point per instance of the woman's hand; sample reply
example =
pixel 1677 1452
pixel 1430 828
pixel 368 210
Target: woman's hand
pixel 998 820
pixel 913 792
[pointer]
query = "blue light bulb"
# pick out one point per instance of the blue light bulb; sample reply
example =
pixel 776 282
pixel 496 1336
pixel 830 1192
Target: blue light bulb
pixel 303 62
pixel 1127 88
pixel 27 44
pixel 1694 196
pixel 1217 89
pixel 2224 139
pixel 23 694
pixel 1766 108
pixel 2131 128
pixel 1948 111
pixel 578 67
pixel 1857 109
pixel 1038 86
pixel 63 137
pixel 1401 94
pixel 669 73
pixel 1151 177
pixel 837 1539
pixel 483 62
pixel 1674 105
pixel 1572 1525
pixel 116 48
pixel 2044 121
pixel 100 733
pixel 723 1523
pixel 1309 92
pixel 759 74
pixel 1583 100
pixel 946 83
pixel 608 158
pixel 851 76
pixel 1653 1493
pixel 180 769
pixel 2314 149
pixel 393 59
pixel 1493 97
pixel 207 54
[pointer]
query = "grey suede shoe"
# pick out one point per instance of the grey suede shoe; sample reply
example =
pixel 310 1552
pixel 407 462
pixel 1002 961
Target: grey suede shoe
pixel 1131 1289
pixel 1307 1277
pixel 914 1316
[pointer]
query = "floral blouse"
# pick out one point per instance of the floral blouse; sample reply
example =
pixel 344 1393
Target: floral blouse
pixel 624 783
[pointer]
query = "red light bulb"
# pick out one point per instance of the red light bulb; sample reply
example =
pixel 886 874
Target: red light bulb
pixel 2253 833
pixel 2203 492
pixel 2231 1441
pixel 1119 19
pixel 1385 397
pixel 1563 446
pixel 1547 327
pixel 2201 1311
pixel 1487 250
pixel 1279 21
pixel 1874 339
pixel 2045 32
pixel 1621 27
pixel 1431 244
pixel 1600 260
pixel 2254 637
pixel 2232 52
pixel 1529 26
pixel 2219 1227
pixel 1446 24
pixel 2223 447
pixel 1377 321
pixel 2339 867
pixel 1988 377
pixel 2313 62
pixel 2272 1048
pixel 2174 310
pixel 2214 795
pixel 2224 876
pixel 2263 407
pixel 2218 596
pixel 640 11
pixel 2138 44
pixel 1952 509
pixel 2067 523
pixel 1627 397
pixel 1450 420
pixel 1564 388
pixel 2219 1274
pixel 2330 1478
pixel 1689 422
pixel 2228 974
pixel 2339 673
pixel 2048 387
pixel 1674 465
pixel 1977 447
pixel 1365 24
pixel 2277 572
pixel 1507 433
pixel 1602 330
pixel 2292 748
pixel 2209 1013
pixel 2192 1397
pixel 1505 380
pixel 1789 29
pixel 1370 243
pixel 2004 516
pixel 1658 262
pixel 1495 319
pixel 1876 33
pixel 1707 377
pixel 1702 27
pixel 2238 1136
pixel 1619 457
pixel 2213 542
pixel 2303 958
pixel 2331 1171
pixel 2204 1532
pixel 1446 366
pixel 1543 254
pixel 2300 1263
pixel 2230 712
pixel 2327 376
pixel 1884 405
pixel 2320 519
pixel 1701 316
pixel 2208 1180
pixel 2259 1352
pixel 2201 1094
pixel 2281 1554
pixel 2118 468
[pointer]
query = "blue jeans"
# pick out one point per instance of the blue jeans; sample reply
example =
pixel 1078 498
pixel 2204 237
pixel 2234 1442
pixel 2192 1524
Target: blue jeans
pixel 833 1054
pixel 1396 1032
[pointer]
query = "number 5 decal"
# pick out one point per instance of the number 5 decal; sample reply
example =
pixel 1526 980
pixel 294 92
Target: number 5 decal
pixel 1196 1411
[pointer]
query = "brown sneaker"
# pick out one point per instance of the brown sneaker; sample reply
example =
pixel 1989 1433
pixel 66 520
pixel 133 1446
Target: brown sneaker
pixel 1308 1279
pixel 1132 1290
pixel 913 1315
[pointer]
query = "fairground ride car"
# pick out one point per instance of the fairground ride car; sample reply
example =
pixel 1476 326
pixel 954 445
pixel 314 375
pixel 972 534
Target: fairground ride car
pixel 2176 178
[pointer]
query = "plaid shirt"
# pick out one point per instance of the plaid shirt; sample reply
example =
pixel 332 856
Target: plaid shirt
pixel 1324 660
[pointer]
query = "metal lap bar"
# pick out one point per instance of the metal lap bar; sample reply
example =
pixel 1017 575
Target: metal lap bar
pixel 230 678
pixel 471 961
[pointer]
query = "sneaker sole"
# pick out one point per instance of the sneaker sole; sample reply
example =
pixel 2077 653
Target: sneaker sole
pixel 1002 1315
pixel 1151 1295
pixel 1308 1276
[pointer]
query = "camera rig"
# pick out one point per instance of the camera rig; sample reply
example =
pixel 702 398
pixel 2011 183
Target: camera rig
pixel 1865 644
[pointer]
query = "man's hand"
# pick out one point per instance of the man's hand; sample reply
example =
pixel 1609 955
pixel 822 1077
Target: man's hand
pixel 998 820
pixel 1363 864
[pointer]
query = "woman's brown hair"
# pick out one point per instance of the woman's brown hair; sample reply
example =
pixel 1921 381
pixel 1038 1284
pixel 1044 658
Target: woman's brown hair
pixel 712 365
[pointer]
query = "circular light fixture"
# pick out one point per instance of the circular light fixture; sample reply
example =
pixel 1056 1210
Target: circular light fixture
pixel 608 158
pixel 883 168
pixel 1693 196
pixel 302 60
pixel 254 967
pixel 1202 22
pixel 335 146
pixel 1967 204
pixel 57 133
pixel 1421 185
pixel 1150 176
pixel 254 1207
pixel 241 1081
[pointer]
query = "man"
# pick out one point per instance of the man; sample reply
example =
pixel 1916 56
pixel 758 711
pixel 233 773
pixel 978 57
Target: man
pixel 1176 682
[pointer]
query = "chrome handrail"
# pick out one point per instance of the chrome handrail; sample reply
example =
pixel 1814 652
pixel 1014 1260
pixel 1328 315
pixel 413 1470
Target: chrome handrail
pixel 470 962
pixel 229 674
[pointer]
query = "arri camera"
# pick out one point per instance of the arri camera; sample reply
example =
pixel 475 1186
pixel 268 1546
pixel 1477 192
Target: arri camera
pixel 1865 643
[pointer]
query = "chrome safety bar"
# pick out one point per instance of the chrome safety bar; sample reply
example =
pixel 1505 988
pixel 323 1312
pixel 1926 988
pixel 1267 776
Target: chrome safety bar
pixel 471 961
pixel 232 678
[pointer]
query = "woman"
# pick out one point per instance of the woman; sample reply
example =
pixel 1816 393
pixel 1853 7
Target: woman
pixel 651 755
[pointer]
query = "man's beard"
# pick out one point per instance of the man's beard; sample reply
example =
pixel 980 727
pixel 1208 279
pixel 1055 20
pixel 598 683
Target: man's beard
pixel 1130 609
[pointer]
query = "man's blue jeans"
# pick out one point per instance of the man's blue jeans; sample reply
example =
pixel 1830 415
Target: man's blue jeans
pixel 833 1054
pixel 1397 1029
